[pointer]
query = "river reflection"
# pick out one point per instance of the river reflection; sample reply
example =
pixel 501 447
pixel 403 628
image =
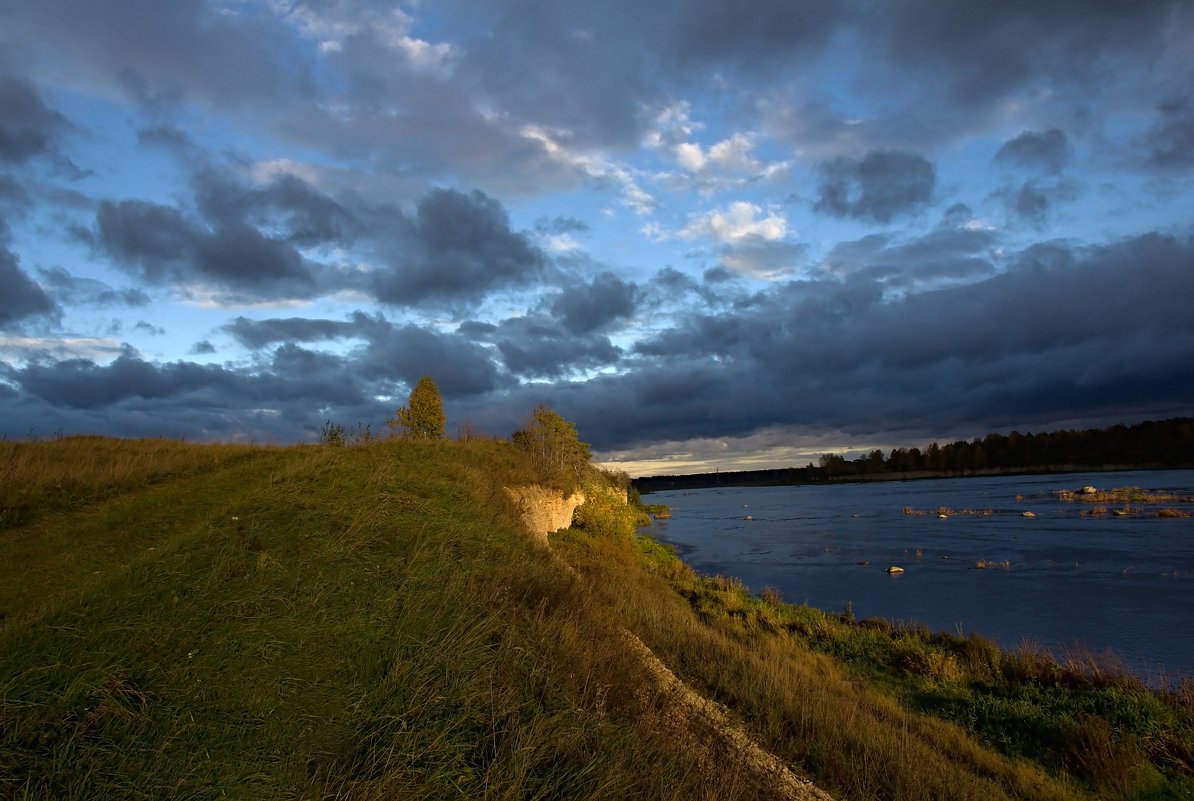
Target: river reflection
pixel 1124 583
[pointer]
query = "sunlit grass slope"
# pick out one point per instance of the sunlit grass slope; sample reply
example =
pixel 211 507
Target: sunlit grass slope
pixel 202 621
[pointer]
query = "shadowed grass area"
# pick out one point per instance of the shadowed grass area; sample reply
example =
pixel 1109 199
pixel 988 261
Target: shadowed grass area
pixel 371 622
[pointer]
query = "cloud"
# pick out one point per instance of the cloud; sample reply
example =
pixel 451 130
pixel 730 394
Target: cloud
pixel 82 384
pixel 28 126
pixel 878 187
pixel 257 334
pixel 405 353
pixel 1043 151
pixel 73 290
pixel 978 56
pixel 457 248
pixel 161 53
pixel 1170 142
pixel 762 258
pixel 739 223
pixel 726 164
pixel 286 203
pixel 291 391
pixel 776 34
pixel 587 308
pixel 1034 200
pixel 540 347
pixel 344 24
pixel 560 226
pixel 1000 350
pixel 160 245
pixel 748 242
pixel 388 353
pixel 948 254
pixel 20 296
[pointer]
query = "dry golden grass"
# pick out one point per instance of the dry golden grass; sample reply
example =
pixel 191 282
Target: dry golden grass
pixel 805 707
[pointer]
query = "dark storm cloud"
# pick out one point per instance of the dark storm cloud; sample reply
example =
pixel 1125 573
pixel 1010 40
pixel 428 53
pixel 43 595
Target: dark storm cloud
pixel 458 247
pixel 591 73
pixel 202 348
pixel 980 53
pixel 388 353
pixel 671 289
pixel 880 186
pixel 27 126
pixel 587 308
pixel 155 236
pixel 159 52
pixel 1031 343
pixel 1031 203
pixel 591 69
pixel 168 137
pixel 773 34
pixel 73 290
pixel 131 396
pixel 1170 142
pixel 81 383
pixel 1045 151
pixel 931 329
pixel 256 334
pixel 245 239
pixel 717 275
pixel 587 49
pixel 949 252
pixel 309 217
pixel 1061 331
pixel 13 197
pixel 538 346
pixel 406 353
pixel 943 72
pixel 20 296
pixel 1034 200
pixel 162 246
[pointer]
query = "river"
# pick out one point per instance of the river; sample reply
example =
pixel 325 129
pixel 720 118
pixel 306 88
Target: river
pixel 1108 582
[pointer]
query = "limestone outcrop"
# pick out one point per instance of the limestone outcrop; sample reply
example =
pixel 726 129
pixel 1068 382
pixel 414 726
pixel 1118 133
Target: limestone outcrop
pixel 544 510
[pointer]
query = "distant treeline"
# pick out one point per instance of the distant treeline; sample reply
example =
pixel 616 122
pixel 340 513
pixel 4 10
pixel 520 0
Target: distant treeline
pixel 1152 444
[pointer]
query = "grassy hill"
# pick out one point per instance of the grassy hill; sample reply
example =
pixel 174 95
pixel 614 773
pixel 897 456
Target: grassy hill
pixel 218 621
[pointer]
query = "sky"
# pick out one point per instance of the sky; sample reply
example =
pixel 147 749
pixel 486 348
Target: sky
pixel 713 235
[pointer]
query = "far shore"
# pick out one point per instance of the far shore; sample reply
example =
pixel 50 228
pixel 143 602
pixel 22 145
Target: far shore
pixel 797 476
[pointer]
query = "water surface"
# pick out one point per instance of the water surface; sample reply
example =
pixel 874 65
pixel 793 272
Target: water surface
pixel 1119 583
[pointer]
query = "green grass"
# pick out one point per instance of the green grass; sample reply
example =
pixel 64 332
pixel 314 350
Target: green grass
pixel 305 622
pixel 196 621
pixel 881 711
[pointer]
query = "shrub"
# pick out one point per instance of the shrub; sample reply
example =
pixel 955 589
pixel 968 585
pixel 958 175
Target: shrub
pixel 555 448
pixel 605 510
pixel 332 434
